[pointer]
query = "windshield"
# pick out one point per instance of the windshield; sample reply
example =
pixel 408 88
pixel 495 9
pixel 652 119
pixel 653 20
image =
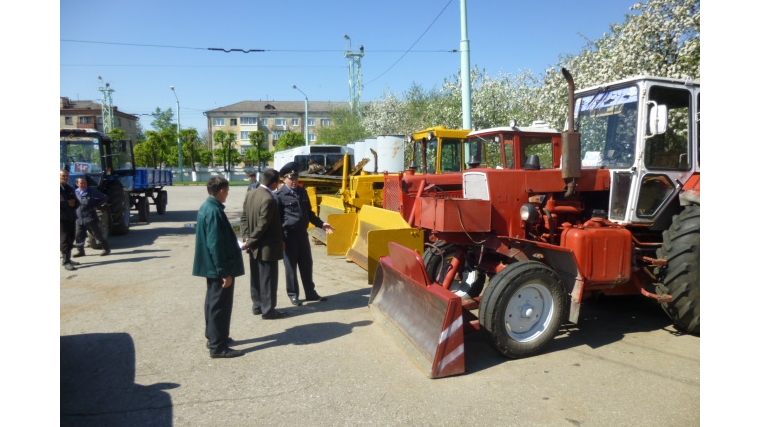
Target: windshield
pixel 607 123
pixel 81 155
pixel 486 151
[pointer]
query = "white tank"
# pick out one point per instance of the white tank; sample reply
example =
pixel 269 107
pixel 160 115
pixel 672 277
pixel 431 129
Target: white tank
pixel 370 143
pixel 358 152
pixel 390 153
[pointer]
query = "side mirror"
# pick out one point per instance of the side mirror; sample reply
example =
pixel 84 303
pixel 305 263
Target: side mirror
pixel 658 119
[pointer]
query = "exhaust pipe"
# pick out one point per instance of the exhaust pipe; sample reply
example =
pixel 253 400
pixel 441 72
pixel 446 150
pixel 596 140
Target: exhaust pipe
pixel 571 142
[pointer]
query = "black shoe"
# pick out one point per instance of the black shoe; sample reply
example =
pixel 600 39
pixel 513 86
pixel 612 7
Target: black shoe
pixel 68 266
pixel 315 297
pixel 257 311
pixel 295 301
pixel 230 341
pixel 80 252
pixel 227 354
pixel 75 263
pixel 274 315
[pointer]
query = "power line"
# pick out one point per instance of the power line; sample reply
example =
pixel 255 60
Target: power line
pixel 413 44
pixel 230 50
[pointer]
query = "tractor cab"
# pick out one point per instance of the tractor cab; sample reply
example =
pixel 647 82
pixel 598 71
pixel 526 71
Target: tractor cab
pixel 645 131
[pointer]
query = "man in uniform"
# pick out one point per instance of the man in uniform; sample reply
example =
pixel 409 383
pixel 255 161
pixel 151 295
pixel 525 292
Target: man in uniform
pixel 296 213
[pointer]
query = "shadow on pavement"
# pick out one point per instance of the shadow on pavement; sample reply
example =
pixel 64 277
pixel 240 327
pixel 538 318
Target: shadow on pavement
pixel 603 321
pixel 302 335
pixel 98 385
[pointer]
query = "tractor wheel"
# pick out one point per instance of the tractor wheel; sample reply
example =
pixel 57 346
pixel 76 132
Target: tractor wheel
pixel 118 200
pixel 522 308
pixel 143 209
pixel 468 283
pixel 104 222
pixel 161 202
pixel 680 246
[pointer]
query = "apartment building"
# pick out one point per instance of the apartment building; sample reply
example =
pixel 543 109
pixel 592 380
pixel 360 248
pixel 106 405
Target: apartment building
pixel 273 117
pixel 89 115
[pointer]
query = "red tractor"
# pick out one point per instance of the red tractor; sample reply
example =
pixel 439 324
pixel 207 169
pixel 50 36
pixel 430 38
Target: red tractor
pixel 615 212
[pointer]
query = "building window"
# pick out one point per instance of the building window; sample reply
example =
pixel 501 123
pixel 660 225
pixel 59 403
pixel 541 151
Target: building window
pixel 265 122
pixel 311 123
pixel 280 123
pixel 312 137
pixel 118 121
pixel 69 121
pixel 295 122
pixel 100 121
pixel 278 133
pixel 244 134
pixel 248 120
pixel 326 122
pixel 218 122
pixel 86 120
pixel 233 122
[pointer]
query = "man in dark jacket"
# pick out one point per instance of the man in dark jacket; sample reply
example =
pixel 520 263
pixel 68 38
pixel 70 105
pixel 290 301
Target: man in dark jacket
pixel 296 213
pixel 69 204
pixel 87 218
pixel 219 259
pixel 261 228
pixel 253 183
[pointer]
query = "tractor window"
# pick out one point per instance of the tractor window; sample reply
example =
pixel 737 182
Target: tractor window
pixel 540 146
pixel 486 151
pixel 451 155
pixel 670 150
pixel 607 122
pixel 432 147
pixel 621 189
pixel 121 154
pixel 655 189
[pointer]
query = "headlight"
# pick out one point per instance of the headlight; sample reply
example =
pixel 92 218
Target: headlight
pixel 529 213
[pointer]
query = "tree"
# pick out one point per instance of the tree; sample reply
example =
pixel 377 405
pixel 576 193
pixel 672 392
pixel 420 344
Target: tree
pixel 347 127
pixel 289 140
pixel 225 141
pixel 117 134
pixel 258 153
pixel 155 150
pixel 163 119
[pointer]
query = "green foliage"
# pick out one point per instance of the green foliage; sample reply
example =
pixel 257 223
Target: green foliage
pixel 226 144
pixel 289 140
pixel 163 120
pixel 117 134
pixel 347 127
pixel 258 153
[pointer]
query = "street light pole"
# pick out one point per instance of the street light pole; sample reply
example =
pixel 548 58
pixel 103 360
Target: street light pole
pixel 306 116
pixel 179 140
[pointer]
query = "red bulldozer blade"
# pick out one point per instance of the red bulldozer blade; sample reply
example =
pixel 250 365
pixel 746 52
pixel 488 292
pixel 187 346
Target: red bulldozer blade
pixel 423 317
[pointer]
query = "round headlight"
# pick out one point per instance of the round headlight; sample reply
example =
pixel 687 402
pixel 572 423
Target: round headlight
pixel 529 213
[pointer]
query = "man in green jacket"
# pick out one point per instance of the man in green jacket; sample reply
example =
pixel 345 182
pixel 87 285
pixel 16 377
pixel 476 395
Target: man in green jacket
pixel 219 259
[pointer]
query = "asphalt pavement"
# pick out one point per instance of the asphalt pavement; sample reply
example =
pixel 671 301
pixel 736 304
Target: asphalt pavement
pixel 133 352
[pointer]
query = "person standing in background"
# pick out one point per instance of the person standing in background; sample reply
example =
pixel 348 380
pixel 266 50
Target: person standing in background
pixel 69 205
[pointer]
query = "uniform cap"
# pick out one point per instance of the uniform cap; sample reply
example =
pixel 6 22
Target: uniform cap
pixel 289 170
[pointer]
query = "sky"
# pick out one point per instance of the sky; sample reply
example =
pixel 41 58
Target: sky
pixel 143 50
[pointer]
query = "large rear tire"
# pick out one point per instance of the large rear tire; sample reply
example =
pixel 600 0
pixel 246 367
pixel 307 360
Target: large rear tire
pixel 522 309
pixel 118 200
pixel 104 222
pixel 468 283
pixel 680 246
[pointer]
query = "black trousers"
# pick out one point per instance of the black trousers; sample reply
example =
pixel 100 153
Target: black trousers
pixel 68 233
pixel 218 312
pixel 264 276
pixel 298 256
pixel 83 227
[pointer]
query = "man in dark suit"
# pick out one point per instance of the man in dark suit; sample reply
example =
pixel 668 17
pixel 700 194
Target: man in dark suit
pixel 261 230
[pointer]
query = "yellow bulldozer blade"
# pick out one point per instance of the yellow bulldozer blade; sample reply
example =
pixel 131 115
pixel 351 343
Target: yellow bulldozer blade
pixel 328 206
pixel 374 228
pixel 425 319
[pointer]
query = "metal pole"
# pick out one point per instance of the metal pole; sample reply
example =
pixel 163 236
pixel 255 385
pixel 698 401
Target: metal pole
pixel 464 46
pixel 179 140
pixel 306 116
